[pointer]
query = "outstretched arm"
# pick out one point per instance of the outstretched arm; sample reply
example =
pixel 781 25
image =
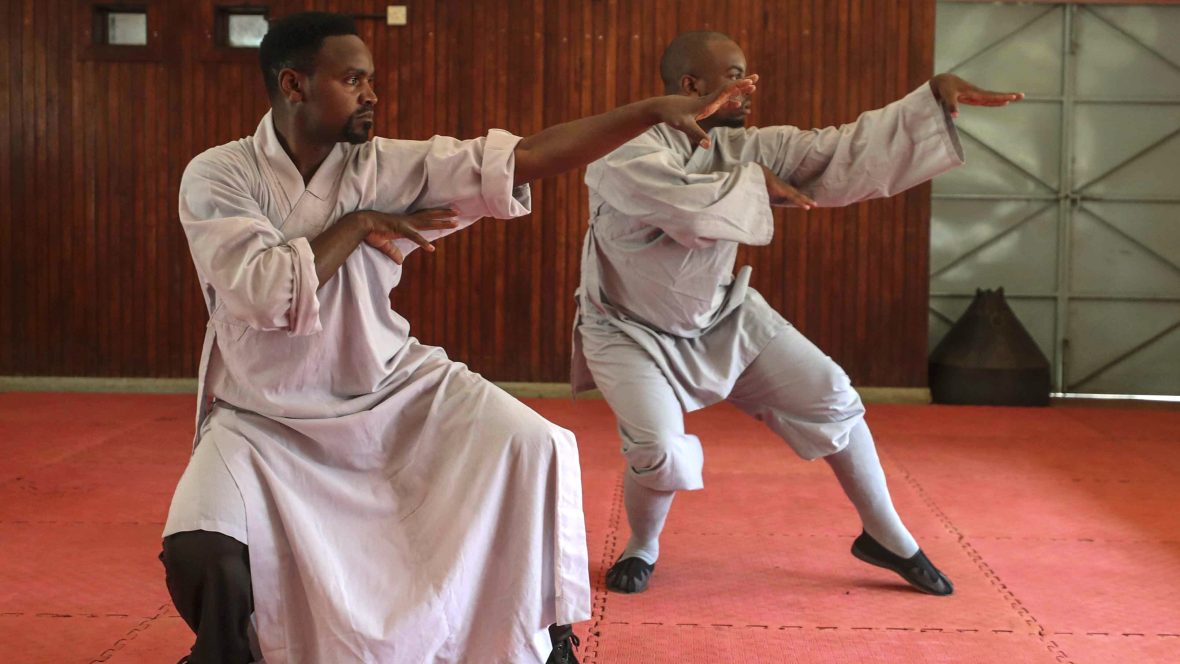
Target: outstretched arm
pixel 882 153
pixel 574 144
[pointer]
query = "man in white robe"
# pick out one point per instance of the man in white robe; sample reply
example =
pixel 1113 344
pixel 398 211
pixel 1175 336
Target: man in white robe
pixel 664 325
pixel 396 506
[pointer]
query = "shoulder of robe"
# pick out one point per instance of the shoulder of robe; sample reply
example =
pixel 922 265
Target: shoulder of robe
pixel 737 132
pixel 405 155
pixel 233 161
pixel 732 143
pixel 401 147
pixel 660 134
pixel 654 139
pixel 751 132
pixel 737 136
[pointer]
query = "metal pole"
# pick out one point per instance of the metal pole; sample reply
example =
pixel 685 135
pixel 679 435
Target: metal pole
pixel 1065 203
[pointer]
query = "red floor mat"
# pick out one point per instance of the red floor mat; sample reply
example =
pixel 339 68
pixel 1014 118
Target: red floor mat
pixel 85 569
pixel 863 645
pixel 1091 587
pixel 52 638
pixel 1108 648
pixel 1058 527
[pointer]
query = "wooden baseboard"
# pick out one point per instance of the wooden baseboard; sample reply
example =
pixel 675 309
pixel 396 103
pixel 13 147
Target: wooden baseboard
pixel 88 384
pixel 912 395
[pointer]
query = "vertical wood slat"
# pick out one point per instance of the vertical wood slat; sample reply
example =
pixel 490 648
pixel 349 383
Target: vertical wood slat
pixel 95 272
pixel 26 293
pixel 7 230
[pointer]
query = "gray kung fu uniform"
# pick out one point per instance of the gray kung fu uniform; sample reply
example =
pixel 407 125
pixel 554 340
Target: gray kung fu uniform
pixel 665 326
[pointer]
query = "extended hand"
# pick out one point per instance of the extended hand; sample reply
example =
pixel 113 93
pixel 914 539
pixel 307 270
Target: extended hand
pixel 682 112
pixel 384 228
pixel 783 194
pixel 950 91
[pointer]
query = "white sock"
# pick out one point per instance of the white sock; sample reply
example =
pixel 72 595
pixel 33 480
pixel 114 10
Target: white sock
pixel 860 474
pixel 647 510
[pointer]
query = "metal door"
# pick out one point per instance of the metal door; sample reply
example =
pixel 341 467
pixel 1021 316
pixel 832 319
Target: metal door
pixel 1071 198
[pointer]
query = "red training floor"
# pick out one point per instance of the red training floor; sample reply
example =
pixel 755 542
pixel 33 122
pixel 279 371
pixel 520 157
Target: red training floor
pixel 1058 526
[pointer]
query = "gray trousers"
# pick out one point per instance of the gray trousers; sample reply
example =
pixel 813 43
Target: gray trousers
pixel 800 393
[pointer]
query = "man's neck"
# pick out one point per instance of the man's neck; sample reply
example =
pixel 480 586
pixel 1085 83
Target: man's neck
pixel 305 153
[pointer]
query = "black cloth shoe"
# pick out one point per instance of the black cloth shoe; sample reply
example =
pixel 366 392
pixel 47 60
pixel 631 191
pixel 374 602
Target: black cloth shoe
pixel 917 570
pixel 565 642
pixel 629 575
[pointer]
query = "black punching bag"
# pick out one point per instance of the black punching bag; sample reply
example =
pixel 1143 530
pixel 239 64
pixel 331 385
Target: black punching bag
pixel 988 358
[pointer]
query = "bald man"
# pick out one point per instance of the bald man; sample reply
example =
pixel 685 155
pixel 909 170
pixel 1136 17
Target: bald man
pixel 665 326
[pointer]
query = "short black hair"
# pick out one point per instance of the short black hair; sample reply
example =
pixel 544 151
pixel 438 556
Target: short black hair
pixel 292 42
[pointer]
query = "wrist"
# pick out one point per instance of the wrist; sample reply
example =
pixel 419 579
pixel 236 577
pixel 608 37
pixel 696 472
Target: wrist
pixel 359 223
pixel 935 84
pixel 768 175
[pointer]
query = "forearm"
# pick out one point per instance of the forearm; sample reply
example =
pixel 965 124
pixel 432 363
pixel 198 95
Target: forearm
pixel 332 247
pixel 574 144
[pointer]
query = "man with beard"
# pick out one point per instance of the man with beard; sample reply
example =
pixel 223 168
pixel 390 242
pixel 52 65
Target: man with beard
pixel 397 507
pixel 664 325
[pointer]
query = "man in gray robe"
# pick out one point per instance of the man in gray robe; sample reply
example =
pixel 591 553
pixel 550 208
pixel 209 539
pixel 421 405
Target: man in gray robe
pixel 397 507
pixel 664 326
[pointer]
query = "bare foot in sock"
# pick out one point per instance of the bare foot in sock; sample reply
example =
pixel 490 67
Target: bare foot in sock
pixel 629 575
pixel 917 570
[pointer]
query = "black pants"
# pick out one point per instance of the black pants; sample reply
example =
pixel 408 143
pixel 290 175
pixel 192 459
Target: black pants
pixel 208 577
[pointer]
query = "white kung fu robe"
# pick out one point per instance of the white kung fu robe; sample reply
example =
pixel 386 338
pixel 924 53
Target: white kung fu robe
pixel 397 506
pixel 666 219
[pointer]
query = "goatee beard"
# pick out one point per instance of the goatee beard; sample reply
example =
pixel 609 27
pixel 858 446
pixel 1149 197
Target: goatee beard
pixel 357 133
pixel 356 136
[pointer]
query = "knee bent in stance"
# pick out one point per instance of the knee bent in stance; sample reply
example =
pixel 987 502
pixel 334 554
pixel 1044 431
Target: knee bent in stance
pixel 666 462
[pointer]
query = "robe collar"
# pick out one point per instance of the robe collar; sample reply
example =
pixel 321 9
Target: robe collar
pixel 282 170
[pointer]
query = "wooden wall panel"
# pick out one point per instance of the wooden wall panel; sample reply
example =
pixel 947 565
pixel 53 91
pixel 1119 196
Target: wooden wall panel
pixel 96 277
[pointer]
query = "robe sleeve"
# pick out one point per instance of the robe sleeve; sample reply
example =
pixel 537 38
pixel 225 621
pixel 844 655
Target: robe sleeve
pixel 882 153
pixel 473 176
pixel 251 274
pixel 644 181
